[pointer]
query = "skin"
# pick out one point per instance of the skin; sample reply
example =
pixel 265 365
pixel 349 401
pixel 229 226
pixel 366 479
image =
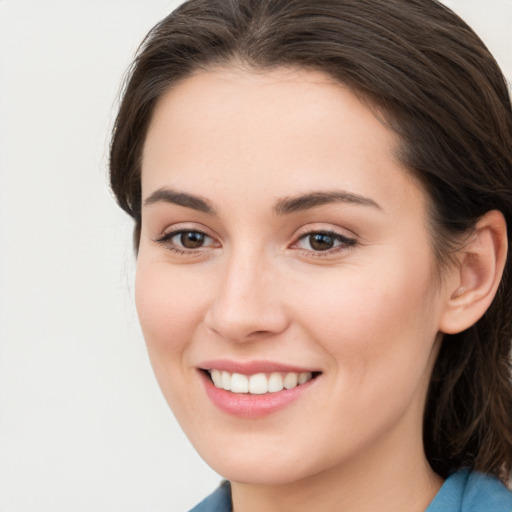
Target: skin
pixel 368 315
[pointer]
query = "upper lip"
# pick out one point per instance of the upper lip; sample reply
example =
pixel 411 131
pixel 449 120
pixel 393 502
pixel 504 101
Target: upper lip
pixel 252 367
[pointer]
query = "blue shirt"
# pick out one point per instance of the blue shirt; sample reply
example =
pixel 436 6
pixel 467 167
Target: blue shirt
pixel 464 491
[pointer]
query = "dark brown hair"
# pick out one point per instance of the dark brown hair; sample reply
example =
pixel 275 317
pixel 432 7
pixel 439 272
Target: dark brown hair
pixel 440 89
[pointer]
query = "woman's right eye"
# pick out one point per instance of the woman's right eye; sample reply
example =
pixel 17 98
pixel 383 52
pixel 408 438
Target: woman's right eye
pixel 186 240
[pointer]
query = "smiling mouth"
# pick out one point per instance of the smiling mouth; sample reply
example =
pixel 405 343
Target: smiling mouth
pixel 258 383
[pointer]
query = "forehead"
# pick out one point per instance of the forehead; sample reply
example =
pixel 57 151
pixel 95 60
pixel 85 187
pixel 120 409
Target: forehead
pixel 286 102
pixel 279 129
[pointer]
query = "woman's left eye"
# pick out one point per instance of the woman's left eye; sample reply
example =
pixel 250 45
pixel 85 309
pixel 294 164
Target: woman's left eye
pixel 186 240
pixel 323 241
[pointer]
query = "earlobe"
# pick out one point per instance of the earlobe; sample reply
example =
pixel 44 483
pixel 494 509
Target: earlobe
pixel 477 274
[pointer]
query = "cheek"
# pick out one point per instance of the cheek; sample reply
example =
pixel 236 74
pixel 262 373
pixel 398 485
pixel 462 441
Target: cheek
pixel 170 305
pixel 380 343
pixel 378 328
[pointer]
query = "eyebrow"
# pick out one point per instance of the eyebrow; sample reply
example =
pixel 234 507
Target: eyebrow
pixel 293 204
pixel 165 195
pixel 283 206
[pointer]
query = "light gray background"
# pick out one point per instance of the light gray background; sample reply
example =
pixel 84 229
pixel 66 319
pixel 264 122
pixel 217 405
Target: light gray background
pixel 83 426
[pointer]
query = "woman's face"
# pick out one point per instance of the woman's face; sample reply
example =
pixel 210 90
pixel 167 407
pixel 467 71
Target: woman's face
pixel 283 244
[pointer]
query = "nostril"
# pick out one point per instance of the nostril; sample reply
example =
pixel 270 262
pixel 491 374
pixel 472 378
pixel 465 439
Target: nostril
pixel 258 334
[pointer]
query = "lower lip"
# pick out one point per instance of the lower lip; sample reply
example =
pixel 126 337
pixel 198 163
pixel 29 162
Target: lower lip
pixel 246 405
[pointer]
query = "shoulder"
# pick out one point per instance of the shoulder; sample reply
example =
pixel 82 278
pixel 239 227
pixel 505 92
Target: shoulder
pixel 218 501
pixel 485 491
pixel 471 491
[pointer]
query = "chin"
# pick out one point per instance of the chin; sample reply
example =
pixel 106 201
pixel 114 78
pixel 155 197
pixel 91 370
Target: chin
pixel 260 472
pixel 258 462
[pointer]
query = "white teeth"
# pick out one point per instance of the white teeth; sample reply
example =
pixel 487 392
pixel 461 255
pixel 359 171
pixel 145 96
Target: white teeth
pixel 217 378
pixel 226 381
pixel 290 381
pixel 239 383
pixel 304 377
pixel 275 383
pixel 259 383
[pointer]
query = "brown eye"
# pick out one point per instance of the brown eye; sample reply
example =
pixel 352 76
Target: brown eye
pixel 182 241
pixel 192 239
pixel 321 241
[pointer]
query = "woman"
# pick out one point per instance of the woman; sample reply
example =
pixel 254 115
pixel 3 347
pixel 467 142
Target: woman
pixel 322 193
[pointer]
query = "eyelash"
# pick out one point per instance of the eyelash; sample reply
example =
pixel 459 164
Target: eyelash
pixel 344 242
pixel 166 238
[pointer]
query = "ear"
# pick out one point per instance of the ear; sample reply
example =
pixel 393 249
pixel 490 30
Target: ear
pixel 474 280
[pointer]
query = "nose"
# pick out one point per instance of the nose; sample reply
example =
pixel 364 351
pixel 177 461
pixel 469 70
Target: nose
pixel 248 301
